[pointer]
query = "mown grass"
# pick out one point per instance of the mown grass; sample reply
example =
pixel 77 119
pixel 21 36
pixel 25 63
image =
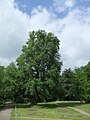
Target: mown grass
pixel 84 107
pixel 50 111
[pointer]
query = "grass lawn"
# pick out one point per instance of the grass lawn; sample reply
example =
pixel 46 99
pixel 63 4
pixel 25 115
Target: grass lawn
pixel 50 111
pixel 84 107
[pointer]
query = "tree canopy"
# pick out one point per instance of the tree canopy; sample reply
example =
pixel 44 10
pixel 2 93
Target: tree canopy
pixel 36 75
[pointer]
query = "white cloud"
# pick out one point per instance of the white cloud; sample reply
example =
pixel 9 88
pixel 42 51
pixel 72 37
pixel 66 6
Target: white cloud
pixel 76 38
pixel 13 30
pixel 63 5
pixel 69 3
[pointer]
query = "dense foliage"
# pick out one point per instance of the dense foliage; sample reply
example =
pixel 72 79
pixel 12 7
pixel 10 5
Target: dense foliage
pixel 36 75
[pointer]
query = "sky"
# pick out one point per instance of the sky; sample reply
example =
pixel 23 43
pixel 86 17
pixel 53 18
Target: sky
pixel 69 20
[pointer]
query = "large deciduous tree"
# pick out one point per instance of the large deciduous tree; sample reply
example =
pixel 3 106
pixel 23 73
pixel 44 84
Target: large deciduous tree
pixel 40 66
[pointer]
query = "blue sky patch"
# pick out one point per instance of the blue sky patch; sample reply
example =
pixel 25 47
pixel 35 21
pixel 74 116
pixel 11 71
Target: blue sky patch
pixel 28 5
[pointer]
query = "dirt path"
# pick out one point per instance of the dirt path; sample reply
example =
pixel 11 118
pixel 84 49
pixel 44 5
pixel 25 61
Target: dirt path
pixel 80 111
pixel 5 114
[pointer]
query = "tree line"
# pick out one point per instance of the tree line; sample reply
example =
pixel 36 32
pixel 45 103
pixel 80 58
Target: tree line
pixel 36 75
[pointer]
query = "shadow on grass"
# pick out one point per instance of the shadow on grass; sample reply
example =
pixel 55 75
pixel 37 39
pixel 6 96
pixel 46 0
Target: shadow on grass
pixel 55 105
pixel 1 106
pixel 23 105
pixel 6 106
pixel 50 105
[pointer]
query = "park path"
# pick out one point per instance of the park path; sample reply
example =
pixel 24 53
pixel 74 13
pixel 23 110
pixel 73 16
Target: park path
pixel 80 111
pixel 5 114
pixel 40 118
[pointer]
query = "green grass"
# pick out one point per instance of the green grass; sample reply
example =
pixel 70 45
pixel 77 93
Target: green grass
pixel 84 107
pixel 50 111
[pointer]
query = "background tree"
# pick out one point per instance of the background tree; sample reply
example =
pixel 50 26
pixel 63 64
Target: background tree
pixel 2 74
pixel 87 72
pixel 40 65
pixel 80 84
pixel 10 82
pixel 67 82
